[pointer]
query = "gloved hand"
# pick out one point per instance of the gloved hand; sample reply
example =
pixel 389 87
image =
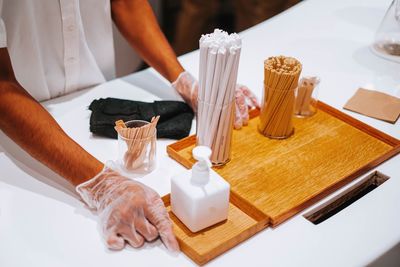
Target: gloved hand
pixel 187 86
pixel 128 210
pixel 244 100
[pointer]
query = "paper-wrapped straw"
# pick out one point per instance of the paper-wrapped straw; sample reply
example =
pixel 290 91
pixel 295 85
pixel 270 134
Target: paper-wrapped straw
pixel 219 60
pixel 281 75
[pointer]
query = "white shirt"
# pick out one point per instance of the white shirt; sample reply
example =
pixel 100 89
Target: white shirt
pixel 58 46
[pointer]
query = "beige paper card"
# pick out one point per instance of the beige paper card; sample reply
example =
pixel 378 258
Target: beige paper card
pixel 375 104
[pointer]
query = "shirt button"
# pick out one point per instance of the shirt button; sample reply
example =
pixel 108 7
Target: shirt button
pixel 71 59
pixel 71 28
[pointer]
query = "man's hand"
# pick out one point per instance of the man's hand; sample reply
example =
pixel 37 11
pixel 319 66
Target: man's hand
pixel 187 86
pixel 128 210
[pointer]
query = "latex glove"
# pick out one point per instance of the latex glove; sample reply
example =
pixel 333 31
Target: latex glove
pixel 128 210
pixel 187 86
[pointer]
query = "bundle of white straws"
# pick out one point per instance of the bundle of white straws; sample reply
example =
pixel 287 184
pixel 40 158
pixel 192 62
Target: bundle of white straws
pixel 219 61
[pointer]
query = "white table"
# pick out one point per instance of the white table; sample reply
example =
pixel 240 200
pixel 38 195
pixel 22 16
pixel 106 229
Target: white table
pixel 43 224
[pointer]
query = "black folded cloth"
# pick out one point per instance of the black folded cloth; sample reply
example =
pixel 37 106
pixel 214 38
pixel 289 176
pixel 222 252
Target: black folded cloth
pixel 175 116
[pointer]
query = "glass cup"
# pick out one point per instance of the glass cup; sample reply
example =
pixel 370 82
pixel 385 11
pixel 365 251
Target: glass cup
pixel 137 155
pixel 306 97
pixel 276 116
pixel 387 37
pixel 214 129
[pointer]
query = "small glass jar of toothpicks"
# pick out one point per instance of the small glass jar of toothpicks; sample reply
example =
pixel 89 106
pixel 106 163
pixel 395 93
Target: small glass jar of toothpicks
pixel 281 76
pixel 137 145
pixel 306 97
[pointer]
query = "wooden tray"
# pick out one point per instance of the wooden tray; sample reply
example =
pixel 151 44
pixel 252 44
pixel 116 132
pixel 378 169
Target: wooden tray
pixel 279 178
pixel 243 222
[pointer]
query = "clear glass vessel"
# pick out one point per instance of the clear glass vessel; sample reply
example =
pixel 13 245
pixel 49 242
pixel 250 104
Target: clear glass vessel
pixel 214 130
pixel 137 155
pixel 387 38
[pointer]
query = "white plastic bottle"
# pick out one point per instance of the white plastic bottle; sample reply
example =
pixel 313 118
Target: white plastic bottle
pixel 200 197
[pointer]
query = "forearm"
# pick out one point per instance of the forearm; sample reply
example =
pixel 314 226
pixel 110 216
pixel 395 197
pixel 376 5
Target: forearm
pixel 28 124
pixel 136 21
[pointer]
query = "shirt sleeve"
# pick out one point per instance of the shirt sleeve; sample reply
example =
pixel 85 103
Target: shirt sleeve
pixel 3 38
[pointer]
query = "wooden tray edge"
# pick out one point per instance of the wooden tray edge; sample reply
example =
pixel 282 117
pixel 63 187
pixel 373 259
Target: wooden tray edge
pixel 233 242
pixel 263 222
pixel 191 253
pixel 172 149
pixel 329 190
pixel 390 140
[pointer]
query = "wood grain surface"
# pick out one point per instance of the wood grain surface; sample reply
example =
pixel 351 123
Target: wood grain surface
pixel 282 177
pixel 243 222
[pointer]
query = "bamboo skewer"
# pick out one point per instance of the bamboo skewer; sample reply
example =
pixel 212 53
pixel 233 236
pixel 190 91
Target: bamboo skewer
pixel 281 75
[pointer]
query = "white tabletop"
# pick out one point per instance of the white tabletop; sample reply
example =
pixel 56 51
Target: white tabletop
pixel 43 224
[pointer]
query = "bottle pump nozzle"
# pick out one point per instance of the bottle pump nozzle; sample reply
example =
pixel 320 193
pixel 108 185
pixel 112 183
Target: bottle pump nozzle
pixel 201 169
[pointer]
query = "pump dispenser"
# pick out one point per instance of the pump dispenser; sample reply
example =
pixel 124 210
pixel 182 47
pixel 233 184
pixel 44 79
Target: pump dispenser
pixel 200 197
pixel 201 169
